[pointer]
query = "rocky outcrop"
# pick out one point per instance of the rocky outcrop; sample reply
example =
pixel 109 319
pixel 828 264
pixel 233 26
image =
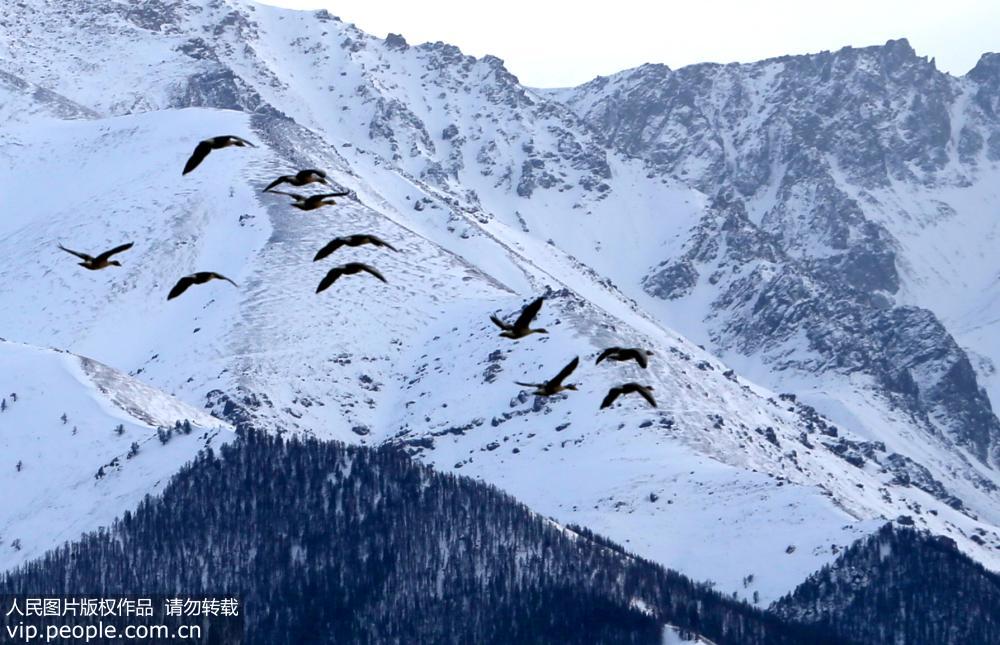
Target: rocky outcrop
pixel 794 254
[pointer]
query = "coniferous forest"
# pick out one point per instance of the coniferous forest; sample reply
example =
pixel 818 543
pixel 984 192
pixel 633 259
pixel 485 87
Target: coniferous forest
pixel 326 543
pixel 901 586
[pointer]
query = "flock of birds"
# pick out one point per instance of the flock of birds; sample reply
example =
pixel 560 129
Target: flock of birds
pixel 302 202
pixel 520 328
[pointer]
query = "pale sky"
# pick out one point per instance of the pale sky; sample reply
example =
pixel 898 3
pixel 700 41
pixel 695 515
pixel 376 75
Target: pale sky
pixel 557 43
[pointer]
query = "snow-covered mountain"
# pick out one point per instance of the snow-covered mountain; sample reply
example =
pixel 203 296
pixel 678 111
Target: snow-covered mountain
pixel 493 193
pixel 79 443
pixel 850 237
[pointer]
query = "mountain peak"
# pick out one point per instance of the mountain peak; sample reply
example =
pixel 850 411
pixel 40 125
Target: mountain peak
pixel 899 45
pixel 988 68
pixel 396 41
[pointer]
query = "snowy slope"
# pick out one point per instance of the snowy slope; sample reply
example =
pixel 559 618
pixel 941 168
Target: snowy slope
pixel 262 348
pixel 58 431
pixel 21 100
pixel 493 194
pixel 847 252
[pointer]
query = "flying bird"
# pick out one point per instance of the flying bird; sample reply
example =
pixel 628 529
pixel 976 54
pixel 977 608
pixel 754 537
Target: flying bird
pixel 312 202
pixel 196 278
pixel 347 269
pixel 101 261
pixel 629 388
pixel 555 386
pixel 521 326
pixel 301 178
pixel 351 240
pixel 208 145
pixel 626 354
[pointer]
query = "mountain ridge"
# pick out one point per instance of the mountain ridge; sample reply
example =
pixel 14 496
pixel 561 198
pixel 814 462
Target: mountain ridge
pixel 494 194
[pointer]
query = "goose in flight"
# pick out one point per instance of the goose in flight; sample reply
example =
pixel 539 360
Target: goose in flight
pixel 301 178
pixel 521 326
pixel 347 269
pixel 208 145
pixel 626 354
pixel 351 240
pixel 101 261
pixel 312 202
pixel 554 386
pixel 196 278
pixel 629 388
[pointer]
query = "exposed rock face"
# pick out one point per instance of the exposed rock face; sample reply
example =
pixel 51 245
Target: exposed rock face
pixel 805 156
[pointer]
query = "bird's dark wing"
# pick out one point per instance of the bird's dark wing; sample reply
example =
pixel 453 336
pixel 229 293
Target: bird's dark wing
pixel 528 313
pixel 276 182
pixel 374 272
pixel 200 152
pixel 82 256
pixel 117 249
pixel 330 277
pixel 377 241
pixel 181 286
pixel 613 394
pixel 328 249
pixel 528 384
pixel 636 388
pixel 303 174
pixel 646 394
pixel 499 323
pixel 219 276
pixel 323 196
pixel 566 371
pixel 315 201
pixel 201 277
pixel 606 353
pixel 242 140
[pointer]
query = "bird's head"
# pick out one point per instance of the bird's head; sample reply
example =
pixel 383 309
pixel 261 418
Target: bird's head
pixel 649 352
pixel 571 386
pixel 114 263
pixel 541 331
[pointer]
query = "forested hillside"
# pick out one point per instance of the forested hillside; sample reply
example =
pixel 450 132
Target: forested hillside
pixel 901 586
pixel 336 544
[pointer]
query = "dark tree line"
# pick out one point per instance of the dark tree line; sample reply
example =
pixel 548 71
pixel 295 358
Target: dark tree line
pixel 901 586
pixel 327 543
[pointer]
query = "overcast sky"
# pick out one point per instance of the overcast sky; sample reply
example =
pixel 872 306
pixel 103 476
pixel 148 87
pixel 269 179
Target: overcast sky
pixel 557 43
